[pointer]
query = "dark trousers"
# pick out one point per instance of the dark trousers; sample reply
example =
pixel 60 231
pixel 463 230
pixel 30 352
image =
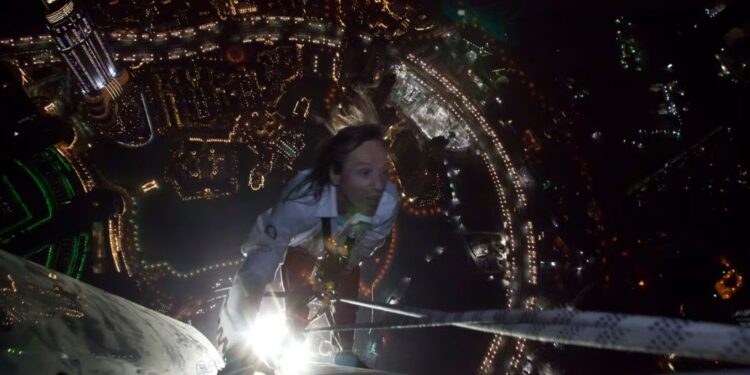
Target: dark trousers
pixel 295 274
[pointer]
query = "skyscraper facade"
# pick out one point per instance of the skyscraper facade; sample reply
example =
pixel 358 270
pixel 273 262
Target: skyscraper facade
pixel 82 49
pixel 105 88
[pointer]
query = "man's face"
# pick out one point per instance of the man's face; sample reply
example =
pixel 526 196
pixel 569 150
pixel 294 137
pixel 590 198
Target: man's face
pixel 363 178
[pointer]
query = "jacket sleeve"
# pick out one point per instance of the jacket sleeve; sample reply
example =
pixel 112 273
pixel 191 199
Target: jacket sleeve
pixel 266 245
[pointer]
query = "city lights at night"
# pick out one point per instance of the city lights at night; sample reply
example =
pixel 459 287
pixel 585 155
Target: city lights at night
pixel 553 187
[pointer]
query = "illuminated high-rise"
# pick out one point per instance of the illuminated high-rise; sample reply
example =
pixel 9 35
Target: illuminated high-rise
pixel 111 100
pixel 82 49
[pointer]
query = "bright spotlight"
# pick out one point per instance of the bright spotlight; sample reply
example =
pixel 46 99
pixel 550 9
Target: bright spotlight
pixel 274 344
pixel 295 358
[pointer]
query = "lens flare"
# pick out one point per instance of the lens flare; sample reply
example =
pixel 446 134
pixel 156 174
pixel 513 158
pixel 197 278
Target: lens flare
pixel 272 342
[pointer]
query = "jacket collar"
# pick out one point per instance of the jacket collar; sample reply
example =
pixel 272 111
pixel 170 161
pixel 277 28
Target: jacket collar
pixel 327 205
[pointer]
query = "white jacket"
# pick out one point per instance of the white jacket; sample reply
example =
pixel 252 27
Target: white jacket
pixel 298 223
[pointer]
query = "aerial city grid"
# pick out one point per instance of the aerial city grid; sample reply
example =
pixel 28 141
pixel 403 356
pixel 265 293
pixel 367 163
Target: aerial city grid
pixel 579 156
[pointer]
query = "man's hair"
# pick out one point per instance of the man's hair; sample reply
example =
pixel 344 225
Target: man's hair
pixel 331 156
pixel 355 109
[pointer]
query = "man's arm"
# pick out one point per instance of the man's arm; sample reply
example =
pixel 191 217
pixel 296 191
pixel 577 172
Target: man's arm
pixel 264 249
pixel 271 233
